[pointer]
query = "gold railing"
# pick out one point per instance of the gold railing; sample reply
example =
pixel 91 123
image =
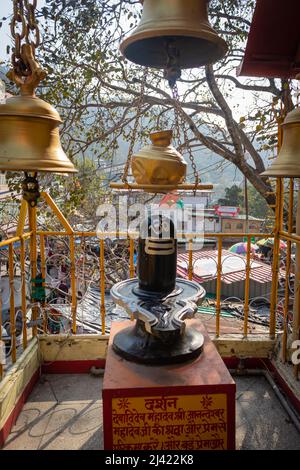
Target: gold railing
pixel 38 238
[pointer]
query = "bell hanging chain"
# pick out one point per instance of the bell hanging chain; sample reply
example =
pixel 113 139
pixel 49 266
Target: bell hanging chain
pixel 178 117
pixel 172 70
pixel 26 72
pixel 135 127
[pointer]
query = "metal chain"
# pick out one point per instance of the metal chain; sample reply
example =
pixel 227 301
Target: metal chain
pixel 179 114
pixel 32 25
pixel 135 127
pixel 24 14
pixel 175 96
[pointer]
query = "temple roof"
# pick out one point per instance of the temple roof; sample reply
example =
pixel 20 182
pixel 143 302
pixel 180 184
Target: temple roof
pixel 273 46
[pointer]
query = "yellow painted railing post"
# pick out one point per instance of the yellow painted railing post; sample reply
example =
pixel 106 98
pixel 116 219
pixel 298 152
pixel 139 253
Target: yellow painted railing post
pixel 33 262
pixel 218 293
pixel 131 258
pixel 23 294
pixel 1 345
pixel 13 342
pixel 102 286
pixel 43 272
pixel 287 276
pixel 247 286
pixel 73 284
pixel 22 218
pixel 296 307
pixel 190 266
pixel 276 253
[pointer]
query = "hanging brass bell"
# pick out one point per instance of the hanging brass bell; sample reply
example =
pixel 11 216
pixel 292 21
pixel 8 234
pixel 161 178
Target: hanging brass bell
pixel 159 164
pixel 181 26
pixel 29 137
pixel 287 163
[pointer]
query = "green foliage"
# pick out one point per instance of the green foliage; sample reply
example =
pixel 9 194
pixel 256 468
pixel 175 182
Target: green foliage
pixel 258 206
pixel 233 197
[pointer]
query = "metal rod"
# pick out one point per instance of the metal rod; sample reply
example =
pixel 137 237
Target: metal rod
pixel 33 262
pixel 22 218
pixel 12 240
pixel 290 236
pixel 125 234
pixel 247 286
pixel 43 272
pixel 57 212
pixel 161 187
pixel 102 286
pixel 73 283
pixel 275 264
pixel 190 267
pixel 218 293
pixel 291 413
pixel 296 307
pixel 1 344
pixel 12 312
pixel 23 294
pixel 131 258
pixel 288 269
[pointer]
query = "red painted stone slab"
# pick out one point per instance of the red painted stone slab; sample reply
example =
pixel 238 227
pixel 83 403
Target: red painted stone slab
pixel 174 407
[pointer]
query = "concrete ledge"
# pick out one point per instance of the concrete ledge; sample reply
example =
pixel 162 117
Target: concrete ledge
pixel 251 347
pixel 61 348
pixel 16 386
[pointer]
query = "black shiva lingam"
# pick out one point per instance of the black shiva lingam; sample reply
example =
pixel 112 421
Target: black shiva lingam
pixel 159 302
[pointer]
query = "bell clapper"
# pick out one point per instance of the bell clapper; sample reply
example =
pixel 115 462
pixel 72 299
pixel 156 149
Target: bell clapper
pixel 172 71
pixel 30 187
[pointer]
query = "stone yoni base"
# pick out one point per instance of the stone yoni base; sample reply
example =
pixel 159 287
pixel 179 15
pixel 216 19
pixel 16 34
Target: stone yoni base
pixel 188 406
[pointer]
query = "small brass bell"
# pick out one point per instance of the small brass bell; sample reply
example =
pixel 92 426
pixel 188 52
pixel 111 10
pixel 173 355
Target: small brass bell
pixel 174 30
pixel 29 137
pixel 159 163
pixel 287 163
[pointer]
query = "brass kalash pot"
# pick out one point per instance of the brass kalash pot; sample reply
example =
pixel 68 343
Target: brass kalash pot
pixel 159 164
pixel 287 163
pixel 177 26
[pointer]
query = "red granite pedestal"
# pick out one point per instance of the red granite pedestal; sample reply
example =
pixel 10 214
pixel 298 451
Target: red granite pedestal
pixel 189 406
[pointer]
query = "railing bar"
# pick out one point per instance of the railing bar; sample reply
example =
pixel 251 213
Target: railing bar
pixel 289 236
pixel 43 271
pixel 275 265
pixel 288 269
pixel 12 312
pixel 218 293
pixel 131 258
pixel 247 286
pixel 33 261
pixel 102 287
pixel 9 241
pixel 23 294
pixel 190 267
pixel 125 234
pixel 1 344
pixel 73 284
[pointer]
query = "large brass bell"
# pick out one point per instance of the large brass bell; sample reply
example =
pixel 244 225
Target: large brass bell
pixel 29 137
pixel 287 163
pixel 174 30
pixel 159 164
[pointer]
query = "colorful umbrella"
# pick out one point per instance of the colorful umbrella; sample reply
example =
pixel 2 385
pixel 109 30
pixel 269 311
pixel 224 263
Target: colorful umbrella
pixel 270 242
pixel 241 248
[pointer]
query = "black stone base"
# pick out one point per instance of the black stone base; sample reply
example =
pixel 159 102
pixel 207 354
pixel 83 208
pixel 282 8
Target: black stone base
pixel 137 345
